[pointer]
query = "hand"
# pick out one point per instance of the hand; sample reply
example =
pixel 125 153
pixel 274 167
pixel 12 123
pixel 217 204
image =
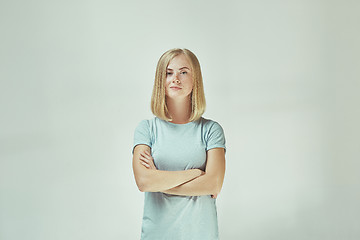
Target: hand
pixel 214 196
pixel 147 160
pixel 201 172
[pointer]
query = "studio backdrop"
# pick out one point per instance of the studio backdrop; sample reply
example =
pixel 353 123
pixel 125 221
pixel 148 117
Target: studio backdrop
pixel 281 77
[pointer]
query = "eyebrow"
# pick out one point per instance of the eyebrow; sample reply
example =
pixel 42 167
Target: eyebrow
pixel 179 68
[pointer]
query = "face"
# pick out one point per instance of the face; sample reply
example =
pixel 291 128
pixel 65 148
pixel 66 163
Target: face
pixel 179 82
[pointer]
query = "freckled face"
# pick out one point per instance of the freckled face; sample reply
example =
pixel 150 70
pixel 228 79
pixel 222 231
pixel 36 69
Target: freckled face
pixel 179 82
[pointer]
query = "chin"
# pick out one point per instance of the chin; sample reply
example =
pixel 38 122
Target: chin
pixel 177 97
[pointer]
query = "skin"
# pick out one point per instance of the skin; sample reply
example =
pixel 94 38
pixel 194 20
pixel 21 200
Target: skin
pixel 192 182
pixel 153 180
pixel 179 74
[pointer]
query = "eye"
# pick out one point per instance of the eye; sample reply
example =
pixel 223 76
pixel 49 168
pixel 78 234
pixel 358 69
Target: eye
pixel 168 73
pixel 183 72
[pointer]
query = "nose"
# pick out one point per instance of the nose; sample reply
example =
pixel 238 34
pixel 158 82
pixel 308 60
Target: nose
pixel 176 78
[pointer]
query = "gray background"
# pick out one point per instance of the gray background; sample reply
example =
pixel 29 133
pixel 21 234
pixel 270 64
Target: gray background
pixel 281 77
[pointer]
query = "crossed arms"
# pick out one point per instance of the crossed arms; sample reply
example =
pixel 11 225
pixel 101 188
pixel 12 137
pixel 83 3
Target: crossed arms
pixel 192 182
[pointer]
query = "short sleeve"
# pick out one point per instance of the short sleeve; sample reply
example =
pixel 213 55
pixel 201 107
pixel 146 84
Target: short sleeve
pixel 142 134
pixel 216 137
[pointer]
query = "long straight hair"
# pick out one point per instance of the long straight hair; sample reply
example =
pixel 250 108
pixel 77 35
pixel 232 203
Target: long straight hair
pixel 158 100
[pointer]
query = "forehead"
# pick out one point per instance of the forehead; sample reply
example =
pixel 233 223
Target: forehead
pixel 178 62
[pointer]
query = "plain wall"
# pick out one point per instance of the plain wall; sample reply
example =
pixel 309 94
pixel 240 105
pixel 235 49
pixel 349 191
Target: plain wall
pixel 281 77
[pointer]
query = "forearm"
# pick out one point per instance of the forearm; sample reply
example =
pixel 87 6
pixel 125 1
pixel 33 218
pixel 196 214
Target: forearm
pixel 159 181
pixel 149 179
pixel 204 185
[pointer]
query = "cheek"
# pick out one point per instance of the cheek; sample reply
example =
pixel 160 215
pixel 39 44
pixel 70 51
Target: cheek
pixel 166 83
pixel 168 80
pixel 190 83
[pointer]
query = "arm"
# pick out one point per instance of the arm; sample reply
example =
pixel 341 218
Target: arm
pixel 208 184
pixel 153 180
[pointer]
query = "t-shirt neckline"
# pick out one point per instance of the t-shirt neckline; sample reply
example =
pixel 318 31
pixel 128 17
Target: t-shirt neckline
pixel 179 124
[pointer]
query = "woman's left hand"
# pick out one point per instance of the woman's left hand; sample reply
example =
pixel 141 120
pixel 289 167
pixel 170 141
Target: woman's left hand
pixel 147 160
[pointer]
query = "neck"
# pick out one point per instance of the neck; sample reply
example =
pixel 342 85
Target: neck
pixel 179 110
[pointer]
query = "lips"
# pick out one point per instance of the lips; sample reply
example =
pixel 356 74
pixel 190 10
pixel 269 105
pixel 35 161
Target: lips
pixel 176 88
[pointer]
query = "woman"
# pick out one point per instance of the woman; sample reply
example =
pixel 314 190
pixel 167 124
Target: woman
pixel 179 156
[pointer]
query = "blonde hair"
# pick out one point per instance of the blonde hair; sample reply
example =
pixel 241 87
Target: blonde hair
pixel 158 100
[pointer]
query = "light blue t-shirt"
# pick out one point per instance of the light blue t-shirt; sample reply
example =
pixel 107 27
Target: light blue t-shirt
pixel 179 147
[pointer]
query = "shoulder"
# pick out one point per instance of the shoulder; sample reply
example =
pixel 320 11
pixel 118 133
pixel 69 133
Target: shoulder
pixel 213 134
pixel 210 125
pixel 148 124
pixel 143 124
pixel 144 133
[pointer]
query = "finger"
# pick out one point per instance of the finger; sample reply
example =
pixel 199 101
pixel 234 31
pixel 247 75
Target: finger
pixel 144 155
pixel 145 164
pixel 147 153
pixel 144 158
